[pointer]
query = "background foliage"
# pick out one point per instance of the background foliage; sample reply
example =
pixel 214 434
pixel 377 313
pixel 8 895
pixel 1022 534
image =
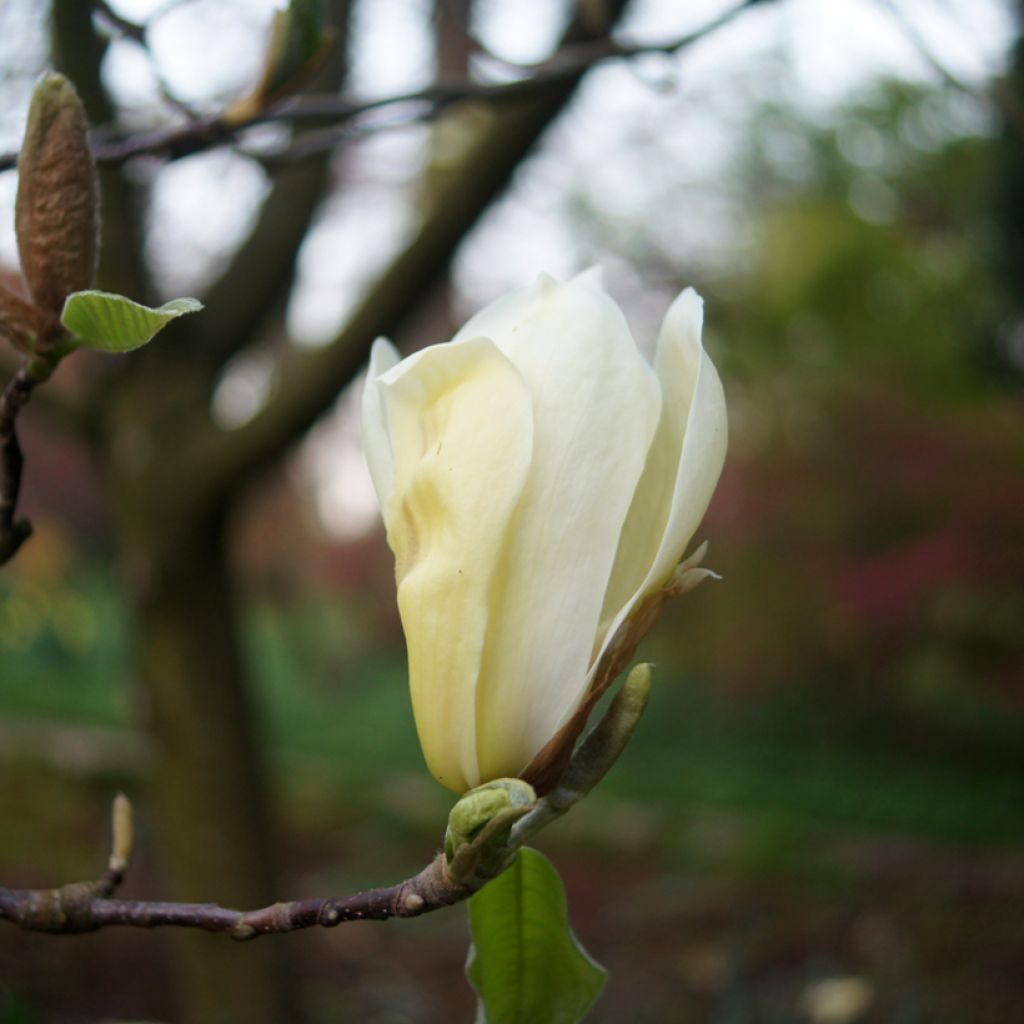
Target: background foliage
pixel 828 788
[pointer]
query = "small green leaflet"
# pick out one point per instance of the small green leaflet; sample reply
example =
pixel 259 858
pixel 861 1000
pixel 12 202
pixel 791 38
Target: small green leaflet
pixel 113 323
pixel 525 963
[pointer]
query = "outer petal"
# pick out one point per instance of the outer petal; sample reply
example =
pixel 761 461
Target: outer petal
pixel 592 277
pixel 596 405
pixel 376 439
pixel 461 431
pixel 682 469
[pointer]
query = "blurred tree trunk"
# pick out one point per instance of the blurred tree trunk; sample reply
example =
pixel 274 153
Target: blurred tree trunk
pixel 176 481
pixel 216 838
pixel 434 319
pixel 214 830
pixel 1003 337
pixel 1012 214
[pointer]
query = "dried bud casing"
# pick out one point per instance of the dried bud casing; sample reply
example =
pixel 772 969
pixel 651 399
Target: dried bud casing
pixel 56 213
pixel 20 321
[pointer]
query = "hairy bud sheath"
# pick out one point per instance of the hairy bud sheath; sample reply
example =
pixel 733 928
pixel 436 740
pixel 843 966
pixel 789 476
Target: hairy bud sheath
pixel 19 321
pixel 56 213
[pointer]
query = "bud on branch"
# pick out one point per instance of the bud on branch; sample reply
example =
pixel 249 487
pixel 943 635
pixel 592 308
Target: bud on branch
pixel 56 214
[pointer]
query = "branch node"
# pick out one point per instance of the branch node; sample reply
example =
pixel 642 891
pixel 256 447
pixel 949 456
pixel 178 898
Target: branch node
pixel 413 904
pixel 67 910
pixel 123 834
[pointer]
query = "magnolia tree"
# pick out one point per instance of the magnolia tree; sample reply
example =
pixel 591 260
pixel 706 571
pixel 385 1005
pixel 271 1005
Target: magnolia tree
pixel 540 483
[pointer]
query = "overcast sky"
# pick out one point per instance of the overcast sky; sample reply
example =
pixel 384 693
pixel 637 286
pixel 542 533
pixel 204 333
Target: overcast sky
pixel 209 50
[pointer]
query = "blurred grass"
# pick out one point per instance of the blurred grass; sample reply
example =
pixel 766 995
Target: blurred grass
pixel 806 755
pixel 745 846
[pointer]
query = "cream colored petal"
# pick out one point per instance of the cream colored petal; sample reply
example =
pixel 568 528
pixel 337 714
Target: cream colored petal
pixel 682 469
pixel 705 441
pixel 592 277
pixel 461 430
pixel 376 440
pixel 596 405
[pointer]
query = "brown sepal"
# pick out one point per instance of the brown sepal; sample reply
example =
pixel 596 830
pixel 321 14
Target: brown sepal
pixel 549 764
pixel 21 324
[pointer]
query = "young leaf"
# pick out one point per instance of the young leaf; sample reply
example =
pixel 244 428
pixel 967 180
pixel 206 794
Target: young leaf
pixel 113 323
pixel 525 963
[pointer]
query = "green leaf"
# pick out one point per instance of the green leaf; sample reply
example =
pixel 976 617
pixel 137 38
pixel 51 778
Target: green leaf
pixel 113 323
pixel 525 964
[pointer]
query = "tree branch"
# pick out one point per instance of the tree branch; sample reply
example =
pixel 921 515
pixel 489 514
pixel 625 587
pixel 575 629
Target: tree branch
pixel 80 907
pixel 259 277
pixel 129 29
pixel 88 906
pixel 58 407
pixel 113 147
pixel 998 93
pixel 14 532
pixel 309 383
pixel 479 845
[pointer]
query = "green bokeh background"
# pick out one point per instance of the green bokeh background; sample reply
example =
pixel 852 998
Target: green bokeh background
pixel 830 780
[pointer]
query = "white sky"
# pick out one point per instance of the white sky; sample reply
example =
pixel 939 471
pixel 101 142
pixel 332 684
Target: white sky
pixel 208 50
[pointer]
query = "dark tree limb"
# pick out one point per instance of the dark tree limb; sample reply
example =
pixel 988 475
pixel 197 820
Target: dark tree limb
pixel 477 849
pixel 13 531
pixel 310 382
pixel 573 60
pixel 88 906
pixel 85 907
pixel 259 277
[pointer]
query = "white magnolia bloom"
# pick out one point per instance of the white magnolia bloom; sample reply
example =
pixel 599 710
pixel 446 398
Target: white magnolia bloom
pixel 537 478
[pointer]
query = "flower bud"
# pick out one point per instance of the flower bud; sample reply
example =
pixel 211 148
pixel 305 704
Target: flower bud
pixel 56 216
pixel 476 841
pixel 539 480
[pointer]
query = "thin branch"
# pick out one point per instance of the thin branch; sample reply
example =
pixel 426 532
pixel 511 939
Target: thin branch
pixel 88 906
pixel 57 407
pixel 76 908
pixel 112 147
pixel 259 277
pixel 310 382
pixel 997 93
pixel 13 531
pixel 128 29
pixel 139 33
pixel 472 858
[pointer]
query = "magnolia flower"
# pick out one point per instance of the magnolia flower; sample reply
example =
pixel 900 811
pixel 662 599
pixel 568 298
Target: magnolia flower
pixel 538 478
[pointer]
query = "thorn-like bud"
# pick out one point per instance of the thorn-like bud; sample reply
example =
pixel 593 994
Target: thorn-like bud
pixel 606 742
pixel 122 827
pixel 242 932
pixel 593 758
pixel 56 214
pixel 689 573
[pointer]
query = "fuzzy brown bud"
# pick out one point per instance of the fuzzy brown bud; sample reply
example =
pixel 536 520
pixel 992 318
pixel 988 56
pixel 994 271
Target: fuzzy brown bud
pixel 56 213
